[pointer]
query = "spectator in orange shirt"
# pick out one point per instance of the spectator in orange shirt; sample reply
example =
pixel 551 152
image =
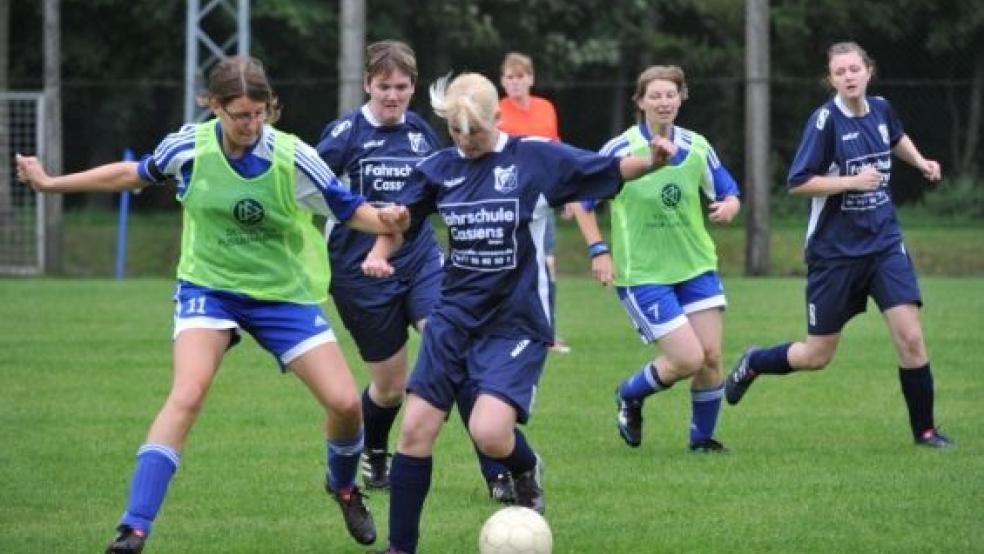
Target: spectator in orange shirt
pixel 523 114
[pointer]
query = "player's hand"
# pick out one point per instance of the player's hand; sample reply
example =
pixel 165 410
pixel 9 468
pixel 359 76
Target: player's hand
pixel 30 172
pixel 601 267
pixel 663 150
pixel 396 217
pixel 867 179
pixel 931 171
pixel 375 266
pixel 723 211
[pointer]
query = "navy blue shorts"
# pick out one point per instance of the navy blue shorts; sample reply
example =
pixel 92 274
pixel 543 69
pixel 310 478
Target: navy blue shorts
pixel 836 292
pixel 453 364
pixel 284 329
pixel 377 312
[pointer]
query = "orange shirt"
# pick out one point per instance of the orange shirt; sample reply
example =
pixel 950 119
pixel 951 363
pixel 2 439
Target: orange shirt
pixel 538 121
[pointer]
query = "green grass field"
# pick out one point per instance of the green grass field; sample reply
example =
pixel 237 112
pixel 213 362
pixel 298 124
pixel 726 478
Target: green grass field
pixel 819 463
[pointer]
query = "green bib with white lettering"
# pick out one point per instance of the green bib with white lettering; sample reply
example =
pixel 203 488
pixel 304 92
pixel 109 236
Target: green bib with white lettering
pixel 248 235
pixel 658 233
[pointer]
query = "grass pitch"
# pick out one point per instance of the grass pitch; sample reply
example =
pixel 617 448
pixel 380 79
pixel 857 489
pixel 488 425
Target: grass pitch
pixel 818 463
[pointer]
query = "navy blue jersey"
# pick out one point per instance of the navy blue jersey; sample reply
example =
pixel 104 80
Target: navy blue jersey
pixel 495 280
pixel 849 224
pixel 376 161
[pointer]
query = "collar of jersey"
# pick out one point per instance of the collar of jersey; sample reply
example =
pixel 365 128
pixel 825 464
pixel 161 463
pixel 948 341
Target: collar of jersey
pixel 371 118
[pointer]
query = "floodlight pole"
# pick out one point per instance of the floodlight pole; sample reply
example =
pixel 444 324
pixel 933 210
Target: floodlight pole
pixel 198 41
pixel 758 185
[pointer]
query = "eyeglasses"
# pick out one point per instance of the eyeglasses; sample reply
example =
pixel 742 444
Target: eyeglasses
pixel 243 118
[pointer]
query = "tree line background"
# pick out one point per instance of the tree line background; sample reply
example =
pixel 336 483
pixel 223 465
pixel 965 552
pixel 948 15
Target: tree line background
pixel 123 63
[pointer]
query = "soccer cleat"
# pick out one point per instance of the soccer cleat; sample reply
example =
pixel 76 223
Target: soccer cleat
pixel 932 438
pixel 127 541
pixel 375 469
pixel 390 550
pixel 358 520
pixel 529 488
pixel 629 419
pixel 740 379
pixel 708 446
pixel 501 489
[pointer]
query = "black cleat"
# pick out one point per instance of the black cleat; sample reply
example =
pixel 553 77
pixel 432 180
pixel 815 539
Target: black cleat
pixel 708 446
pixel 127 541
pixel 932 438
pixel 501 489
pixel 358 520
pixel 390 550
pixel 629 419
pixel 529 488
pixel 740 379
pixel 375 469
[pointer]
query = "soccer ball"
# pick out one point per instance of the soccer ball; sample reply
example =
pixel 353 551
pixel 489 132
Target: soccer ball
pixel 515 530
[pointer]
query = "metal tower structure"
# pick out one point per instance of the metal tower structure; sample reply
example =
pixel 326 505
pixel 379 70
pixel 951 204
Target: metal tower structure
pixel 202 49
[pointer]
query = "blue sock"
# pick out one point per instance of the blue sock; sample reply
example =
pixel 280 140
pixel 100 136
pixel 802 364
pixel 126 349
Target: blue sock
pixel 378 421
pixel 343 462
pixel 643 383
pixel 490 468
pixel 771 361
pixel 156 464
pixel 705 406
pixel 522 458
pixel 410 480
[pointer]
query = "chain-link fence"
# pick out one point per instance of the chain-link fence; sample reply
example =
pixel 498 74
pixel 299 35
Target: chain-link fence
pixel 21 211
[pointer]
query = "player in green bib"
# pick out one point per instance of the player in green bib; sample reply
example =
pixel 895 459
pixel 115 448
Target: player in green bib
pixel 251 260
pixel 662 259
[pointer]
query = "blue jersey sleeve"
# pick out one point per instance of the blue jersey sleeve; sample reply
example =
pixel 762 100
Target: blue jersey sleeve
pixel 333 144
pixel 575 174
pixel 724 184
pixel 815 154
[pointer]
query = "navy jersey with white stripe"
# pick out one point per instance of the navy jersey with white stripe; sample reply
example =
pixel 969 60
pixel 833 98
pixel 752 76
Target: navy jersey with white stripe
pixel 495 280
pixel 835 142
pixel 317 189
pixel 376 161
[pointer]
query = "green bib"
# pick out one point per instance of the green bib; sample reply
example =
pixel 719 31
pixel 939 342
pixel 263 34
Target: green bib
pixel 658 233
pixel 248 235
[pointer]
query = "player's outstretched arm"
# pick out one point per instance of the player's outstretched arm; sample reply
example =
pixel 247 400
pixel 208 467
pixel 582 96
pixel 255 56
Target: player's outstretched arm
pixel 380 221
pixel 633 167
pixel 113 177
pixel 906 150
pixel 377 263
pixel 601 259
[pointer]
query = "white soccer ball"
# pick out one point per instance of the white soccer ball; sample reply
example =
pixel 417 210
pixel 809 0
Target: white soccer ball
pixel 515 530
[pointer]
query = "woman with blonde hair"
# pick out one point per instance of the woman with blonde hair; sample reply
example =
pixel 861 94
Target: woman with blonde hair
pixel 486 341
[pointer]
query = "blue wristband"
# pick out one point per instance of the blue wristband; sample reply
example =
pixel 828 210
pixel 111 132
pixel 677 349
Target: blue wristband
pixel 598 248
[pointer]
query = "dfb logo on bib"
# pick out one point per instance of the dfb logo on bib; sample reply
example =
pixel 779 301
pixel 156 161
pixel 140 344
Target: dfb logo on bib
pixel 248 212
pixel 670 195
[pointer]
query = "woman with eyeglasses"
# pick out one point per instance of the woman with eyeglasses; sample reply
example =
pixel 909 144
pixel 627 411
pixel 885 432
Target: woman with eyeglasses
pixel 251 260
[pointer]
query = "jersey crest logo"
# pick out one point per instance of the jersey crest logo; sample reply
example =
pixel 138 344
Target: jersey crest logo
pixel 505 179
pixel 670 195
pixel 417 143
pixel 340 128
pixel 822 118
pixel 248 212
pixel 883 131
